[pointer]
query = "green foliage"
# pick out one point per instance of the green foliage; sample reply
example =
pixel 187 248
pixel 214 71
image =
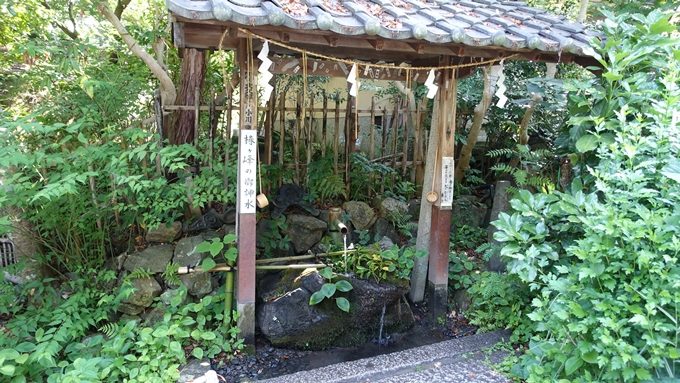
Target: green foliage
pixel 273 237
pixel 462 268
pixel 536 167
pixel 367 178
pixel 329 289
pixel 466 237
pixel 54 341
pixel 322 181
pixel 602 259
pixel 226 246
pixel 500 301
pixel 381 265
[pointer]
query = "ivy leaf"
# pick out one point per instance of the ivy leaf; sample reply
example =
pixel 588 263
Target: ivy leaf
pixel 216 247
pixel 208 264
pixel 572 364
pixel 343 286
pixel 342 303
pixel 328 289
pixel 197 353
pixel 316 298
pixel 326 272
pixel 586 143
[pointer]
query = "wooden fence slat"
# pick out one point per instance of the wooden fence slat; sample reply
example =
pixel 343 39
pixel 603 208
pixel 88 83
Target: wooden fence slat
pixel 336 138
pixel 282 127
pixel 324 124
pixel 296 138
pixel 371 133
pixel 406 122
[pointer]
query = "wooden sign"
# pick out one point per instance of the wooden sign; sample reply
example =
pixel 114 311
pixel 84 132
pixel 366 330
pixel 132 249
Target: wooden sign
pixel 248 164
pixel 447 183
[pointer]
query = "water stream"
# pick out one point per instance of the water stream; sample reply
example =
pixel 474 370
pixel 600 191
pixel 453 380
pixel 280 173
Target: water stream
pixel 382 342
pixel 344 251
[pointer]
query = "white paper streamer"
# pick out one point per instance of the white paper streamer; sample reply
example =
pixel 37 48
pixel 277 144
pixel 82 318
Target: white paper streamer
pixel 352 79
pixel 501 88
pixel 432 88
pixel 265 75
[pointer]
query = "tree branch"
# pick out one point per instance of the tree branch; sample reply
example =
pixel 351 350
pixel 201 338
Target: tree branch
pixel 167 87
pixel 120 7
pixel 73 34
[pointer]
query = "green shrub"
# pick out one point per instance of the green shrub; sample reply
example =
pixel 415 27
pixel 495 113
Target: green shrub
pixel 499 301
pixel 602 258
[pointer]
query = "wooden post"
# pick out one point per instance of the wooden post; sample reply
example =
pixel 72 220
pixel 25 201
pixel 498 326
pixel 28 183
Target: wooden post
pixel 349 143
pixel 245 277
pixel 371 133
pixel 324 124
pixel 197 111
pixel 407 123
pixel 336 137
pixel 383 146
pixel 268 127
pixel 440 230
pixel 296 137
pixel 282 127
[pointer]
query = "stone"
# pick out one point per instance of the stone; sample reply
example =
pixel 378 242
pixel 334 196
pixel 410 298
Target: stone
pixel 385 243
pixel 116 263
pixel 468 211
pixel 304 231
pixel 291 195
pixel 153 316
pixel 461 299
pixel 229 216
pixel 164 233
pixel 414 208
pixel 153 259
pixel 287 319
pixel 194 370
pixel 130 309
pixel 185 254
pixel 145 290
pixel 360 213
pixel 392 208
pixel 199 283
pixel 384 228
pixel 500 204
pixel 211 220
pixel 170 294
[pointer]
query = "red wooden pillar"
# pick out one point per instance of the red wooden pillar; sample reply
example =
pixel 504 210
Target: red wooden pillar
pixel 246 192
pixel 438 272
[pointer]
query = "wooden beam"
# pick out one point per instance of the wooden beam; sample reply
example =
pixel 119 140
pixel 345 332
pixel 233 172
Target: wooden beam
pixel 246 192
pixel 443 180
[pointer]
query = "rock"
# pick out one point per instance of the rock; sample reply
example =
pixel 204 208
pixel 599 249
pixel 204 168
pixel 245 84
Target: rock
pixel 145 290
pixel 461 299
pixel 414 208
pixel 304 231
pixel 211 220
pixel 386 243
pixel 360 213
pixel 116 263
pixel 185 254
pixel 170 294
pixel 398 317
pixel 199 284
pixel 468 211
pixel 164 233
pixel 153 258
pixel 153 316
pixel 392 208
pixel 194 370
pixel 384 228
pixel 288 319
pixel 291 195
pixel 229 216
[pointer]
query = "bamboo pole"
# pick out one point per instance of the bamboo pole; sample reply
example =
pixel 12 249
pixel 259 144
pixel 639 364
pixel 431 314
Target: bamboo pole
pixel 348 139
pixel 383 147
pixel 324 124
pixel 371 133
pixel 303 257
pixel 406 121
pixel 212 119
pixel 394 132
pixel 296 137
pixel 228 139
pixel 268 124
pixel 336 138
pixel 197 113
pixel 309 140
pixel 282 127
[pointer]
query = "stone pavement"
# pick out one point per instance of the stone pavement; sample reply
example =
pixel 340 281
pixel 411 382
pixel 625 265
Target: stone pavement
pixel 464 360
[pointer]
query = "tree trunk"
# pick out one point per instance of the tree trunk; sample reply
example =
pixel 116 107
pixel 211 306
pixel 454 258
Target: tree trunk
pixel 192 74
pixel 490 75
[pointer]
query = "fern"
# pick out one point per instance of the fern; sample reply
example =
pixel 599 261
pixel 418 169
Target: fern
pixel 109 329
pixel 139 273
pixel 170 275
pixel 504 152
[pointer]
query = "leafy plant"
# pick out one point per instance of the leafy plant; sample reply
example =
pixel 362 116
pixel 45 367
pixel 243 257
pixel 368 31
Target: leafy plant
pixel 602 258
pixel 329 289
pixel 215 247
pixel 381 265
pixel 273 237
pixel 461 270
pixel 500 301
pixel 322 181
pixel 366 177
pixel 534 168
pixel 466 237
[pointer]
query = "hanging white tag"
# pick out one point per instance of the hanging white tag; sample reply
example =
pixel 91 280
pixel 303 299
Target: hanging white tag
pixel 431 87
pixel 501 88
pixel 352 79
pixel 265 75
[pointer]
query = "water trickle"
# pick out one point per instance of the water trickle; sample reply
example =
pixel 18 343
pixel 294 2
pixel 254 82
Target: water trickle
pixel 344 251
pixel 382 342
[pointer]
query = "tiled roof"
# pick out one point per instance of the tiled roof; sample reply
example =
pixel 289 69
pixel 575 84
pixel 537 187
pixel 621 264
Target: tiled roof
pixel 504 23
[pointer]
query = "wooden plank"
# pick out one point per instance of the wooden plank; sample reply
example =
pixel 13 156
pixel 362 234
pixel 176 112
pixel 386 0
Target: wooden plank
pixel 371 133
pixel 324 124
pixel 336 135
pixel 245 288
